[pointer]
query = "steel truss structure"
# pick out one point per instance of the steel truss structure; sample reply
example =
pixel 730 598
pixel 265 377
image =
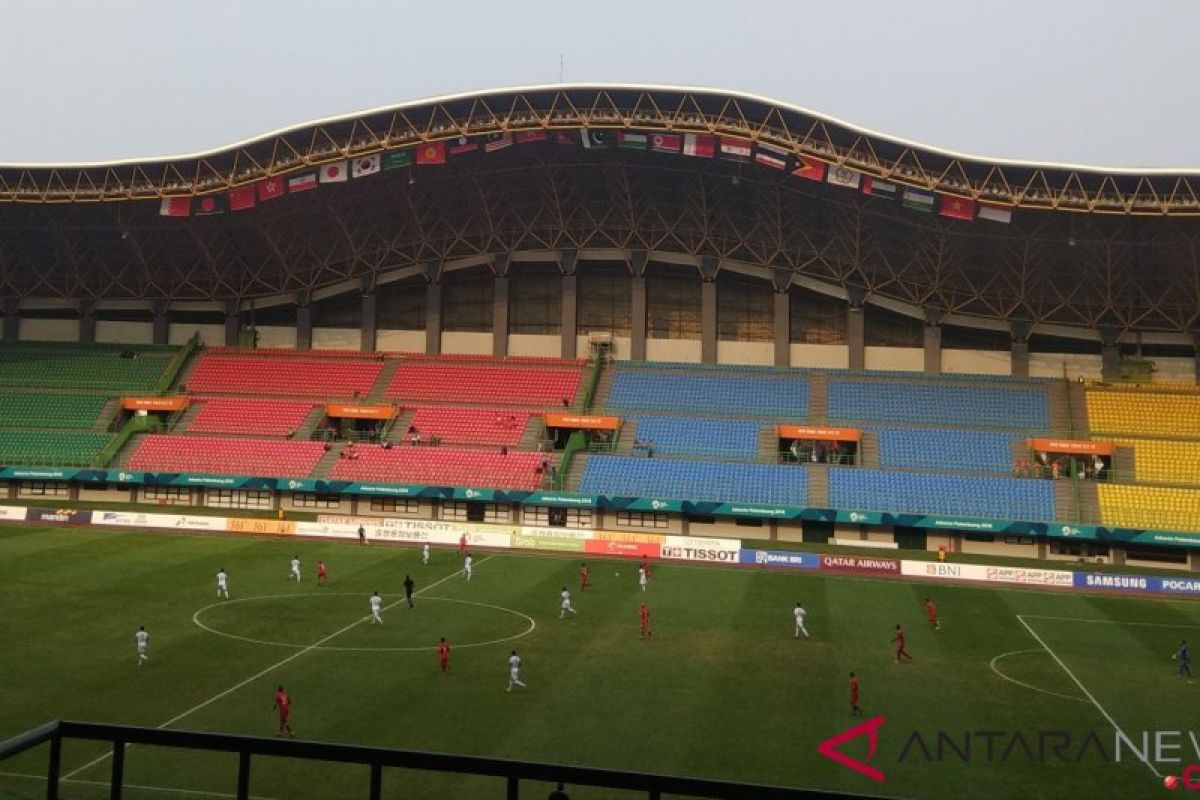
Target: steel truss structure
pixel 1129 259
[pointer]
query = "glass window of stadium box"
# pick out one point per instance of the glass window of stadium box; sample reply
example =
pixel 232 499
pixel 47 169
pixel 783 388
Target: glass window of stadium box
pixel 745 310
pixel 553 517
pixel 468 511
pixel 401 305
pixel 957 337
pixel 43 489
pixel 816 318
pixel 534 299
pixel 672 302
pixel 884 328
pixel 395 505
pixel 167 495
pixel 603 297
pixel 642 519
pixel 467 300
pixel 239 498
pixel 339 311
pixel 316 500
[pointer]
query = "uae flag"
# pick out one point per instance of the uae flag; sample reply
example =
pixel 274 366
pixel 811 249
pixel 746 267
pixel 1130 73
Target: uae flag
pixel 461 145
pixel 699 146
pixel 631 141
pixel 432 153
pixel 995 213
pixel 771 156
pixel 208 205
pixel 735 149
pixel 242 198
pixel 917 200
pixel 334 173
pixel 809 169
pixel 665 142
pixel 271 188
pixel 878 188
pixel 302 183
pixel 956 207
pixel 843 176
pixel 497 141
pixel 365 165
pixel 395 159
pixel 175 207
pixel 594 139
pixel 525 137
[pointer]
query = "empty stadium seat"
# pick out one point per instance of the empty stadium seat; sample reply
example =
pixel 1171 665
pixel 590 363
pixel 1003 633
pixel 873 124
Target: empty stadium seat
pixel 695 480
pixel 473 383
pixel 51 448
pixel 130 368
pixel 47 410
pixel 1153 507
pixel 927 448
pixel 958 495
pixel 1168 414
pixel 248 415
pixel 441 466
pixel 255 457
pixel 1159 461
pixel 1025 408
pixel 716 393
pixel 490 426
pixel 699 436
pixel 317 377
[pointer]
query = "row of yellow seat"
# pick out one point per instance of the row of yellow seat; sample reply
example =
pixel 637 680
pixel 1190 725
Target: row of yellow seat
pixel 1162 508
pixel 1172 415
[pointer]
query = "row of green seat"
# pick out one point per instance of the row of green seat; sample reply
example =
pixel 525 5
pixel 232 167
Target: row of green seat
pixel 52 448
pixel 66 365
pixel 50 410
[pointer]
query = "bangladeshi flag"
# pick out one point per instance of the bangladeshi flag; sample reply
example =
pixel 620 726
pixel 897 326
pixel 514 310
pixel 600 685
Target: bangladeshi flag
pixel 242 198
pixel 432 153
pixel 209 204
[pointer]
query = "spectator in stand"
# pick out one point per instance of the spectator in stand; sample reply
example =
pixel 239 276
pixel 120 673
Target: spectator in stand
pixel 414 436
pixel 566 401
pixel 1054 470
pixel 795 449
pixel 503 450
pixel 649 448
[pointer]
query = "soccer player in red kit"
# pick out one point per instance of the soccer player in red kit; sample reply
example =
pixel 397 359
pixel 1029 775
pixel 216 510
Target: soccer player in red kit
pixel 283 704
pixel 855 711
pixel 444 655
pixel 583 577
pixel 898 640
pixel 931 613
pixel 644 617
pixel 322 573
pixel 462 545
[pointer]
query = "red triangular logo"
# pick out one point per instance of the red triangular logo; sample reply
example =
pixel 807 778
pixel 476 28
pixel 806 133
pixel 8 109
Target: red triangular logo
pixel 870 728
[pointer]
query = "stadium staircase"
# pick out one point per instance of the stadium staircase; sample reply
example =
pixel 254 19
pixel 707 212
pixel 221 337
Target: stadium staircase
pixel 314 418
pixel 532 434
pixel 868 450
pixel 1018 450
pixel 603 387
pixel 575 473
pixel 107 415
pixel 399 430
pixel 625 437
pixel 187 418
pixel 818 396
pixel 768 444
pixel 818 486
pixel 179 385
pixel 1076 501
pixel 376 395
pixel 328 461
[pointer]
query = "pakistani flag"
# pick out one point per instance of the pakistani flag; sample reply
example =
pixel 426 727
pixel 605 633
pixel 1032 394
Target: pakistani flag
pixel 595 139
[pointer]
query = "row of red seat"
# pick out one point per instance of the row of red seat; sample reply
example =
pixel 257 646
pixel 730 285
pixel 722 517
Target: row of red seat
pixel 471 425
pixel 319 377
pixel 441 466
pixel 259 457
pixel 250 415
pixel 484 384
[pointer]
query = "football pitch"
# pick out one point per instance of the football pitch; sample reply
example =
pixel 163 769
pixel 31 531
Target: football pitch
pixel 1020 694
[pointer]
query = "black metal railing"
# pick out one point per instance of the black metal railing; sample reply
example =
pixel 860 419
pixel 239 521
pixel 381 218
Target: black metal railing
pixel 378 759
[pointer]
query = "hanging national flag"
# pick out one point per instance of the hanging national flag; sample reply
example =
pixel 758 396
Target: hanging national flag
pixel 735 149
pixel 175 207
pixel 302 183
pixel 365 165
pixel 956 207
pixel 208 205
pixel 594 139
pixel 809 168
pixel 497 141
pixel 665 142
pixel 699 146
pixel 525 137
pixel 995 213
pixel 771 156
pixel 242 198
pixel 631 141
pixel 460 145
pixel 432 153
pixel 843 176
pixel 395 159
pixel 333 173
pixel 879 188
pixel 565 137
pixel 917 200
pixel 271 188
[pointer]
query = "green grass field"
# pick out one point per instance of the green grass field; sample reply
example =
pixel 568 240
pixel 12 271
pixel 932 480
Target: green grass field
pixel 724 691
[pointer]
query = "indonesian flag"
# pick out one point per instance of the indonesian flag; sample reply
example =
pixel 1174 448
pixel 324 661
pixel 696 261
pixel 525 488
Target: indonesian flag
pixel 665 142
pixel 334 173
pixel 956 207
pixel 175 207
pixel 771 156
pixel 365 165
pixel 699 146
pixel 271 188
pixel 735 149
pixel 242 198
pixel 432 153
pixel 809 168
pixel 302 183
pixel 995 213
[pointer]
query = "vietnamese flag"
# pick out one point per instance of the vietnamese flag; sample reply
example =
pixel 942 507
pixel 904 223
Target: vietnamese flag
pixel 175 207
pixel 242 198
pixel 271 188
pixel 432 153
pixel 956 207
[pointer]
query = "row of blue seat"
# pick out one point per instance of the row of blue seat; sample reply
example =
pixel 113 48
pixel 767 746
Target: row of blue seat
pixel 695 480
pixel 986 407
pixel 923 493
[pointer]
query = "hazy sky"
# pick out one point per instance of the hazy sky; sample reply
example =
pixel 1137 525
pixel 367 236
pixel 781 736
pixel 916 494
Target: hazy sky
pixel 1081 81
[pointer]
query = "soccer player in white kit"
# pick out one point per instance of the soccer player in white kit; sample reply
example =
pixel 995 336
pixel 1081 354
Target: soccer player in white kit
pixel 222 584
pixel 566 603
pixel 467 564
pixel 643 579
pixel 425 554
pixel 296 568
pixel 800 614
pixel 514 672
pixel 376 606
pixel 143 640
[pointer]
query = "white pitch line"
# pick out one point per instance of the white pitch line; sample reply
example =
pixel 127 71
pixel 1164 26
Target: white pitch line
pixel 272 668
pixel 1088 694
pixel 1011 679
pixel 197 792
pixel 1117 621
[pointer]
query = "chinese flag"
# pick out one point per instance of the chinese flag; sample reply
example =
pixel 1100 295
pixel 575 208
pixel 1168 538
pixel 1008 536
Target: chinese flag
pixel 242 198
pixel 432 153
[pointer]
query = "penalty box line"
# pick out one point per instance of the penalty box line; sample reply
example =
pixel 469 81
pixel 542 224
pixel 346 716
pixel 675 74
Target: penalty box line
pixel 1086 693
pixel 273 667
